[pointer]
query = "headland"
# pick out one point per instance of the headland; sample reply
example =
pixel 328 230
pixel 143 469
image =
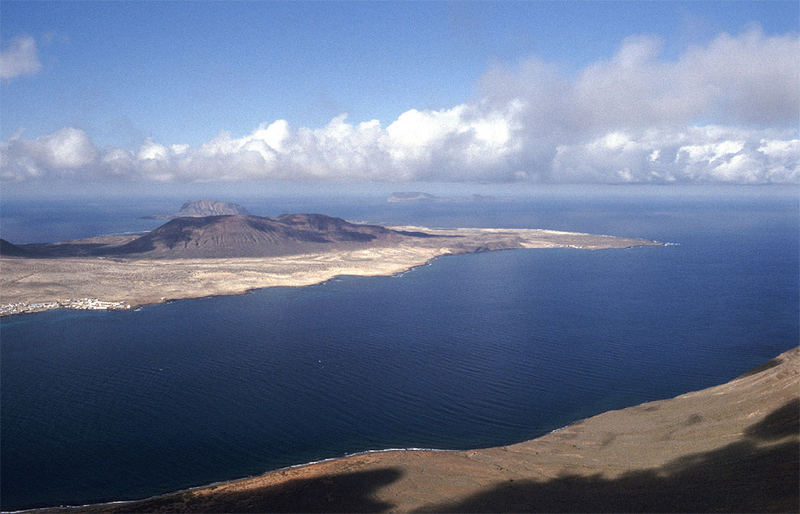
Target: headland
pixel 191 257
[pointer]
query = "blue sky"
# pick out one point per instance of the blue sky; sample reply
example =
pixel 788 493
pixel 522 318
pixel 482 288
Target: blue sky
pixel 462 92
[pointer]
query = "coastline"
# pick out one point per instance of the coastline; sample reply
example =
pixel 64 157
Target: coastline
pixel 687 453
pixel 133 282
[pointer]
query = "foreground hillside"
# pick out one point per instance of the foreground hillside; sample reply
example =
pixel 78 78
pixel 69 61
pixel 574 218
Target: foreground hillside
pixel 729 448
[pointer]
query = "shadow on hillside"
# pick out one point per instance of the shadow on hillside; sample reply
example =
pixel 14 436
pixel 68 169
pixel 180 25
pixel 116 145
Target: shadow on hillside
pixel 778 424
pixel 346 492
pixel 740 477
pixel 758 473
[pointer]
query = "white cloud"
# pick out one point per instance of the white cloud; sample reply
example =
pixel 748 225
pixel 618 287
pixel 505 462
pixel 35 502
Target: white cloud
pixel 749 79
pixel 695 154
pixel 19 58
pixel 273 135
pixel 151 151
pixel 67 148
pixel 67 151
pixel 723 112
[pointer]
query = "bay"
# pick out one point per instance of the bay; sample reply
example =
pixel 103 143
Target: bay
pixel 469 351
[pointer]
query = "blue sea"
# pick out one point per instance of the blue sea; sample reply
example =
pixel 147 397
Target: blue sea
pixel 469 351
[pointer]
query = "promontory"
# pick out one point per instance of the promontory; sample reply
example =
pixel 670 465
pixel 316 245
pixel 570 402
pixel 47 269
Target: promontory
pixel 191 257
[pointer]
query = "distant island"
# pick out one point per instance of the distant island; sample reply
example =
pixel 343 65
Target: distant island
pixel 190 257
pixel 419 197
pixel 201 208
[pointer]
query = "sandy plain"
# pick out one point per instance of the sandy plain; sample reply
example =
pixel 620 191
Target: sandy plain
pixel 138 281
pixel 729 448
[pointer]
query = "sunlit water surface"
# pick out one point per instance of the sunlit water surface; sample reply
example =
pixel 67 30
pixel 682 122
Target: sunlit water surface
pixel 470 351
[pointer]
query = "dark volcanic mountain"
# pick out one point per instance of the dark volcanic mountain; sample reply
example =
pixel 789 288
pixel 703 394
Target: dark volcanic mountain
pixel 251 236
pixel 11 250
pixel 202 208
pixel 225 236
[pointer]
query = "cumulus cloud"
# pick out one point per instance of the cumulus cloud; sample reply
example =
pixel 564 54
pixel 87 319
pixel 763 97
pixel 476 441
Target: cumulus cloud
pixel 19 58
pixel 749 79
pixel 723 112
pixel 704 154
pixel 65 152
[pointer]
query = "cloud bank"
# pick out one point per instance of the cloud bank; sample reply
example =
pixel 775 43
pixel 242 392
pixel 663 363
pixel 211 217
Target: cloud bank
pixel 723 112
pixel 19 58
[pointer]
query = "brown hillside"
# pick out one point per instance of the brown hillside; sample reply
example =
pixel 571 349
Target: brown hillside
pixel 251 236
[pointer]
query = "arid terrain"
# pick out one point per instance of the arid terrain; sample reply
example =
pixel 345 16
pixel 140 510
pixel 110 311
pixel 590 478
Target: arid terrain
pixel 728 448
pixel 222 255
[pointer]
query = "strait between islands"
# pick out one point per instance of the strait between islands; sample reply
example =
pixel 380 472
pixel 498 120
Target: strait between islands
pixel 190 257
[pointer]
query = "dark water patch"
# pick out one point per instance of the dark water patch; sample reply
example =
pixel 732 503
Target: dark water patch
pixel 763 367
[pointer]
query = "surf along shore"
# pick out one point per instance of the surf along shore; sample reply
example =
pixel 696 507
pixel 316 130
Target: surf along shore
pixel 734 447
pixel 31 284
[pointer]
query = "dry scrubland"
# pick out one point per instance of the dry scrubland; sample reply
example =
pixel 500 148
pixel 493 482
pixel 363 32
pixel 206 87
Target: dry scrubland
pixel 139 281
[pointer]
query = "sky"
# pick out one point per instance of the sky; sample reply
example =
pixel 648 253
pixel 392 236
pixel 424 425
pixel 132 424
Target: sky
pixel 170 93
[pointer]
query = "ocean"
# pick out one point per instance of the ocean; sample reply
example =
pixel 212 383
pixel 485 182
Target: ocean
pixel 469 351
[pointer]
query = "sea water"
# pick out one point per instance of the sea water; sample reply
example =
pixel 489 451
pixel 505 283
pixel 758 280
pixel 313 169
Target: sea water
pixel 469 351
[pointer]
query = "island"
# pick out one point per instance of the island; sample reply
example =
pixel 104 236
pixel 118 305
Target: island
pixel 420 197
pixel 190 257
pixel 201 208
pixel 734 447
